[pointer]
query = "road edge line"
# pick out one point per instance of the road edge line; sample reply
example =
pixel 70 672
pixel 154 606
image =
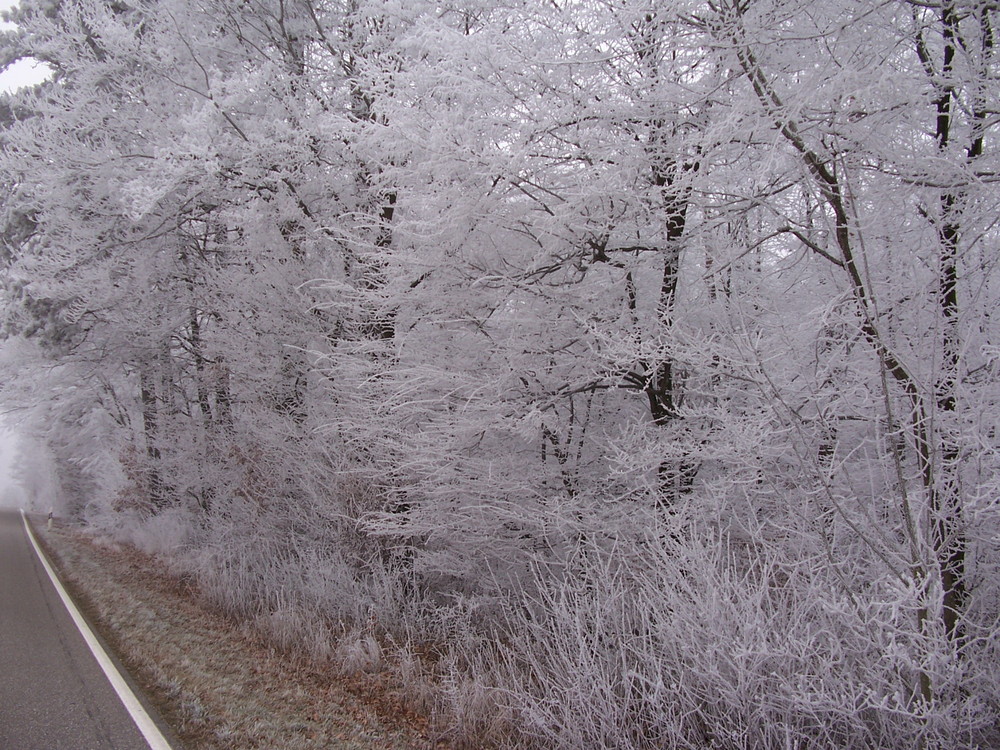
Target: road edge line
pixel 143 721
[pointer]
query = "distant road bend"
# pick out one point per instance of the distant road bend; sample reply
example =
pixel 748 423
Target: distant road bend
pixel 54 692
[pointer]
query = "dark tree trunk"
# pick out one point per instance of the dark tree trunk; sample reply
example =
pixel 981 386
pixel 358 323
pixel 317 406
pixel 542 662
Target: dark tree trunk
pixel 151 428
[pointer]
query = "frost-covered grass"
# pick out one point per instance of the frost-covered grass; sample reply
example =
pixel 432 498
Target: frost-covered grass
pixel 220 685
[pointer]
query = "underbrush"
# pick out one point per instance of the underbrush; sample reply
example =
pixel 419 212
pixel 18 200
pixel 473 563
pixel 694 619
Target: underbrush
pixel 661 639
pixel 683 646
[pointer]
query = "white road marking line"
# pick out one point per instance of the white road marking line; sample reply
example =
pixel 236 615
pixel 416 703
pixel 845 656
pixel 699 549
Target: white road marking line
pixel 139 715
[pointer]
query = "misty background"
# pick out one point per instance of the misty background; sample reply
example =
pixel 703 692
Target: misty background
pixel 12 493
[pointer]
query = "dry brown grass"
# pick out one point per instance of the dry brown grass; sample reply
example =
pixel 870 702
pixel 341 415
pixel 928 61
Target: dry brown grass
pixel 218 684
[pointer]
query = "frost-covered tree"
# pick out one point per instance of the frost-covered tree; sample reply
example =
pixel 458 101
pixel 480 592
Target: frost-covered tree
pixel 657 336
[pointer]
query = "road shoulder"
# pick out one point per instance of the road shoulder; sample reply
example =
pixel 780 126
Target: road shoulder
pixel 218 685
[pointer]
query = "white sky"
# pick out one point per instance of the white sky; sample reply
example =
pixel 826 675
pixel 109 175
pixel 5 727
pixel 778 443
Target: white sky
pixel 23 72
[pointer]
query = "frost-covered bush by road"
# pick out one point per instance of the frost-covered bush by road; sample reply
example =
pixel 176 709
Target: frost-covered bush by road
pixel 652 642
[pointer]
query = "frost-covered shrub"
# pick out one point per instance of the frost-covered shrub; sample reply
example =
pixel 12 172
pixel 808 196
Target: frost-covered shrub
pixel 691 643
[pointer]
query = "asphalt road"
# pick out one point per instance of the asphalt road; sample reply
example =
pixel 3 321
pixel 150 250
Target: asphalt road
pixel 53 693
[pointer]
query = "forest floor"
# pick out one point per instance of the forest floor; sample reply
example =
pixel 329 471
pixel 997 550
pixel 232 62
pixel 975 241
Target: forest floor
pixel 218 684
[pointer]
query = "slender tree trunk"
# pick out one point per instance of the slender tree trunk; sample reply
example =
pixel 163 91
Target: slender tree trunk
pixel 223 399
pixel 194 340
pixel 381 324
pixel 675 478
pixel 936 455
pixel 151 429
pixel 946 501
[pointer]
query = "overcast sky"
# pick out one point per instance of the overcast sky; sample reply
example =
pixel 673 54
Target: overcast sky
pixel 23 72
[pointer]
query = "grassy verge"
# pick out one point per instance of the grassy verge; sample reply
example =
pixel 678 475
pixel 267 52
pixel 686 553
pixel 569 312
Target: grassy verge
pixel 219 685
